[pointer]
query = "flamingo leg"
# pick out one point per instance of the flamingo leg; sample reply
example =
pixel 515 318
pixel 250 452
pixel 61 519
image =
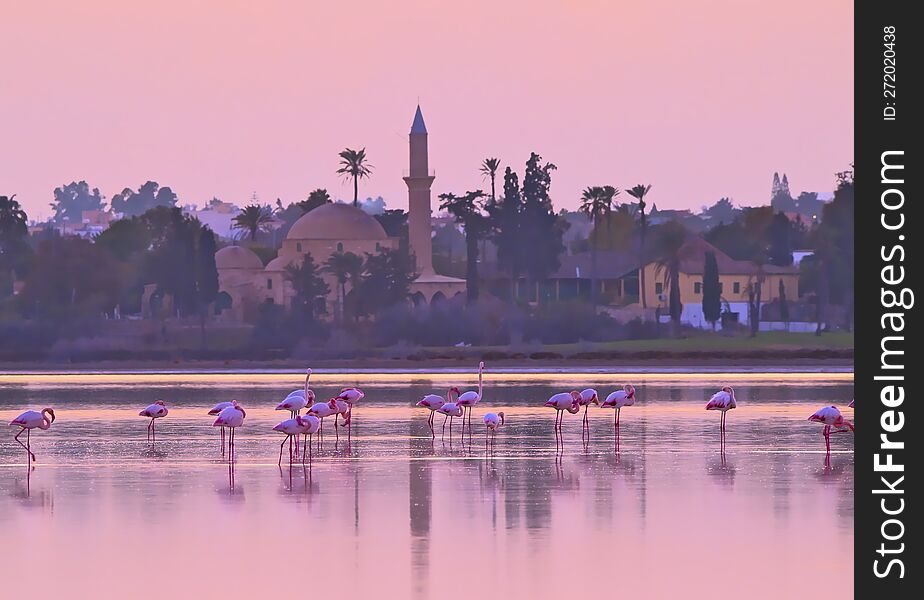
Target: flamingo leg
pixel 26 446
pixel 445 418
pixel 585 415
pixel 284 440
pixel 290 453
pixel 336 428
pixel 153 432
pixel 827 434
pixel 617 416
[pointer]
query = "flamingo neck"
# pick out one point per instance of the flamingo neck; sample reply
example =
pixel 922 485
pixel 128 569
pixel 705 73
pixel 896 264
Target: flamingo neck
pixel 46 420
pixel 480 379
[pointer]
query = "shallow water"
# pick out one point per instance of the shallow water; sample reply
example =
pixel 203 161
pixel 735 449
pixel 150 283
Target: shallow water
pixel 392 511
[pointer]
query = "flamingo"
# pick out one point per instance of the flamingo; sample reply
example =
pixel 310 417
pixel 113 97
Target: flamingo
pixel 323 410
pixel 154 411
pixel 469 399
pixel 298 399
pixel 451 409
pixel 214 413
pixel 231 417
pixel 292 428
pixel 588 397
pixel 492 422
pixel 831 417
pixel 433 402
pixel 618 399
pixel 340 408
pixel 29 420
pixel 351 396
pixel 723 400
pixel 568 401
pixel 310 426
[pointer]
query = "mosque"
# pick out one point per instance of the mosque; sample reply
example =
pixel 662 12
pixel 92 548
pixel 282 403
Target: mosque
pixel 244 282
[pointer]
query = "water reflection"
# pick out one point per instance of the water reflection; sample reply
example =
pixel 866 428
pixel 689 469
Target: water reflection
pixel 392 503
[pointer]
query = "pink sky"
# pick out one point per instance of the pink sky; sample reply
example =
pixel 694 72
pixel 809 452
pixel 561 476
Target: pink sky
pixel 227 98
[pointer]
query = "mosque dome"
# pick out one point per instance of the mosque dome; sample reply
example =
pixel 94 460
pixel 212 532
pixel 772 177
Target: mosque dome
pixel 337 222
pixel 237 257
pixel 279 263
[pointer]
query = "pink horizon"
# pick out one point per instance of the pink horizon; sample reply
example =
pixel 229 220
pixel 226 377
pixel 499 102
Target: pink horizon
pixel 230 98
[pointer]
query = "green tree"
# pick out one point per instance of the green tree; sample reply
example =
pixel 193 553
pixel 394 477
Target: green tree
pixel 316 198
pixel 252 219
pixel 206 276
pixel 70 278
pixel 345 267
pixel 386 280
pixel 489 167
pixel 712 295
pixel 506 229
pixel 540 229
pixel 780 233
pixel 354 166
pixel 150 195
pixel 671 247
pixel 639 192
pixel 310 288
pixel 784 304
pixel 468 210
pixel 74 198
pixel 15 252
pixel 597 204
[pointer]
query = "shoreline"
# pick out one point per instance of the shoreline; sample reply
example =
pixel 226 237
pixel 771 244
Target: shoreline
pixel 636 363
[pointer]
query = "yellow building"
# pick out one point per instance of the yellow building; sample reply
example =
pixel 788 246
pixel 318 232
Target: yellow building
pixel 735 280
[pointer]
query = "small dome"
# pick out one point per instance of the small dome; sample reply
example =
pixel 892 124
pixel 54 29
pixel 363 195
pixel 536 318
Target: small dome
pixel 237 257
pixel 337 222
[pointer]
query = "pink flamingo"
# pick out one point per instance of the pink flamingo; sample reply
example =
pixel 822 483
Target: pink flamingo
pixel 451 410
pixel 588 397
pixel 231 417
pixel 310 426
pixel 723 400
pixel 28 421
pixel 469 399
pixel 298 399
pixel 292 428
pixel 433 402
pixel 564 401
pixel 351 396
pixel 153 411
pixel 618 399
pixel 214 413
pixel 831 417
pixel 322 410
pixel 492 422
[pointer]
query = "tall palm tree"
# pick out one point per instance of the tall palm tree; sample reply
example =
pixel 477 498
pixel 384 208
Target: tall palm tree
pixel 639 192
pixel 596 203
pixel 13 219
pixel 489 167
pixel 353 165
pixel 253 218
pixel 346 267
pixel 671 247
pixel 468 211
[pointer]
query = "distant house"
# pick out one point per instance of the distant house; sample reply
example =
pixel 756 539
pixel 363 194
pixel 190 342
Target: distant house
pixel 218 215
pixel 736 277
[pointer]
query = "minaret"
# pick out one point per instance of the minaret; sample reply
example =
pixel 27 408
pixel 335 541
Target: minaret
pixel 418 183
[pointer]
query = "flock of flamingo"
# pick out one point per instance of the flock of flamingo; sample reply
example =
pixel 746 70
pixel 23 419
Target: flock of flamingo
pixel 456 404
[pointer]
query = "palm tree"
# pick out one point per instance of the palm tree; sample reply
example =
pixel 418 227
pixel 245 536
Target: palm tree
pixel 639 192
pixel 353 165
pixel 671 247
pixel 467 210
pixel 253 218
pixel 489 167
pixel 13 219
pixel 596 203
pixel 345 267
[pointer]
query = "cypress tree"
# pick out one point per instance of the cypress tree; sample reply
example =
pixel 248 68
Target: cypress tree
pixel 712 296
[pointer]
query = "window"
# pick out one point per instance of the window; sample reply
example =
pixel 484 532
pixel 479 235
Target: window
pixel 736 287
pixel 697 287
pixel 378 247
pixel 269 284
pixel 721 288
pixel 298 247
pixel 339 246
pixel 659 288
